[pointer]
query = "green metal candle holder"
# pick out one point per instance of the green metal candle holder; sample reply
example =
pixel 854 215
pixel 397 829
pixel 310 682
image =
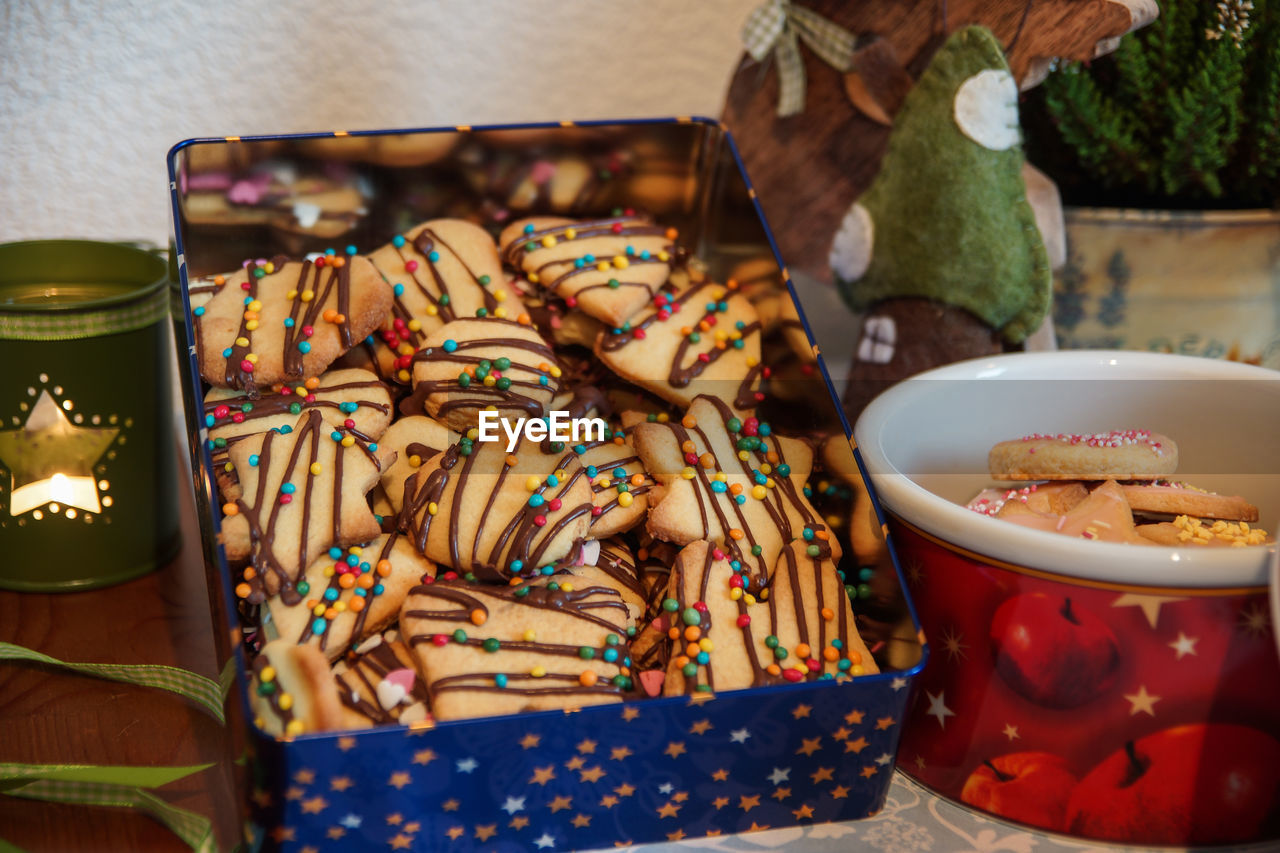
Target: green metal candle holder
pixel 88 486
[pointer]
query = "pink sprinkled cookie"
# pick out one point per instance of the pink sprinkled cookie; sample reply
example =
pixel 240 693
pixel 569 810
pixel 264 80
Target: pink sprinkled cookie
pixel 1128 454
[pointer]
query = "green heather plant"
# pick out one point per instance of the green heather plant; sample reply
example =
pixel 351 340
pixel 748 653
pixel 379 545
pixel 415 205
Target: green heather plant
pixel 1187 110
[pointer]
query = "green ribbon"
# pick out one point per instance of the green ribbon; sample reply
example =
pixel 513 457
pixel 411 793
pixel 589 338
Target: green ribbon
pixel 205 692
pixel 778 27
pixel 79 785
pixel 121 786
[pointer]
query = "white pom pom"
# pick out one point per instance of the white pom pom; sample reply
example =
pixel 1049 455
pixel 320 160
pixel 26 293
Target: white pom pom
pixel 851 249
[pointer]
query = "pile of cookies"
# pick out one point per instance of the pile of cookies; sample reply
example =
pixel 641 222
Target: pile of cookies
pixel 393 566
pixel 1112 486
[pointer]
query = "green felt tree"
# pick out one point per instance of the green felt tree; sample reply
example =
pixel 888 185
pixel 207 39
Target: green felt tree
pixel 1187 107
pixel 947 218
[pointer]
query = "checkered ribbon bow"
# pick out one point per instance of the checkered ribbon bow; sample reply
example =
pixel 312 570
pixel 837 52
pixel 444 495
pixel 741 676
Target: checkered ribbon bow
pixel 778 27
pixel 125 787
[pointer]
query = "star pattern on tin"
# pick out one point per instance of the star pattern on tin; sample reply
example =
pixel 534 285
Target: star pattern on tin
pixel 544 841
pixel 575 763
pixel 293 792
pixel 854 718
pixel 937 708
pixel 668 810
pixel 884 723
pixel 630 713
pixel 720 775
pixel 399 779
pixel 315 805
pixel 839 792
pixel 1149 604
pixel 701 727
pixel 304 776
pixel 542 775
pixel 800 711
pixel 1184 646
pixel 513 804
pixel 884 758
pixel 587 746
pixel 411 827
pixel 530 740
pixel 608 801
pixel 803 812
pixel 822 774
pixel 454 833
pixel 781 794
pixel 920 765
pixel 466 765
pixel 404 842
pixel 841 733
pixel 869 771
pixel 624 790
pixel 1011 732
pixel 779 775
pixel 484 833
pixel 674 749
pixel 283 833
pixel 335 833
pixel 856 746
pixel 424 756
pixel 666 788
pixel 591 774
pixel 581 820
pixel 519 822
pixel 748 803
pixel 739 735
pixel 620 753
pixel 450 805
pixel 720 802
pixel 340 783
pixel 1142 702
pixel 809 745
pixel 897 684
pixel 346 743
pixel 308 849
pixel 560 803
pixel 675 836
pixel 395 819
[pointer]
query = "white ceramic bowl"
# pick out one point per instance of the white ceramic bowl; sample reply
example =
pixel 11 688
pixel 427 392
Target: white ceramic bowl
pixel 925 444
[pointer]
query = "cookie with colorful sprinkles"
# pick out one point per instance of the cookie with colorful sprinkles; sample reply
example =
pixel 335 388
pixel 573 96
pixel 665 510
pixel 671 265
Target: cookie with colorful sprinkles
pixel 348 594
pixel 339 396
pixel 1118 454
pixel 440 271
pixel 292 692
pixel 730 481
pixel 608 268
pixel 469 365
pixel 702 339
pixel 492 515
pixel 724 637
pixel 304 490
pixel 285 321
pixel 415 440
pixel 377 684
pixel 620 486
pixel 489 649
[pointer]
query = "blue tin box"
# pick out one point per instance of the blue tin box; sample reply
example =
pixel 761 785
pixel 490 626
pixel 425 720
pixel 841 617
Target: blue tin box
pixel 644 771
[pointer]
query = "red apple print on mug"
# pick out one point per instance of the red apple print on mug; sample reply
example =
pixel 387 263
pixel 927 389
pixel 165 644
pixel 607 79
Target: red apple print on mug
pixel 1052 651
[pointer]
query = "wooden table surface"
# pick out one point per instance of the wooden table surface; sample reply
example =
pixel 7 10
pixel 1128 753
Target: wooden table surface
pixel 50 716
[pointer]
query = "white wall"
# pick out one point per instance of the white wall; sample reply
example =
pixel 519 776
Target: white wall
pixel 93 93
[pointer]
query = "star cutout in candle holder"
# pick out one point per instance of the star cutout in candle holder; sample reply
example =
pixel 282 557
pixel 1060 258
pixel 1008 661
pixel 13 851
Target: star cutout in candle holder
pixel 51 460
